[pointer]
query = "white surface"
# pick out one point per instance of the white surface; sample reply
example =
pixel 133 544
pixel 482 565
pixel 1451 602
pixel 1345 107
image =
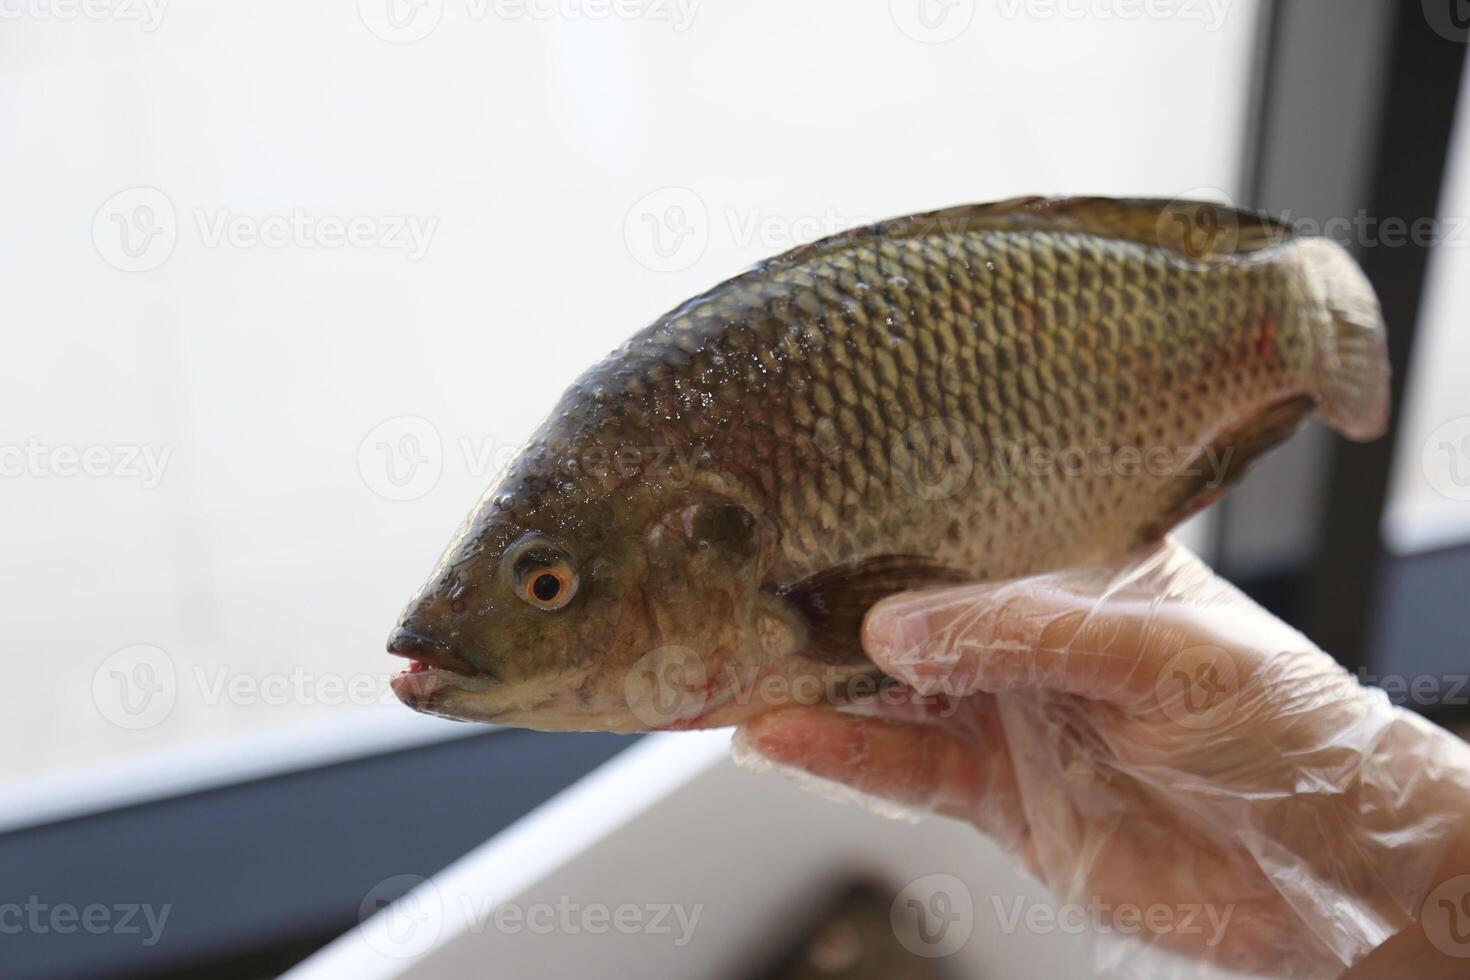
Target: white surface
pixel 750 858
pixel 1429 498
pixel 456 904
pixel 529 143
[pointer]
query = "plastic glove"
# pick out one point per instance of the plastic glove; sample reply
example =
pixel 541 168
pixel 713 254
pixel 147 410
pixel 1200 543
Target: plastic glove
pixel 1145 735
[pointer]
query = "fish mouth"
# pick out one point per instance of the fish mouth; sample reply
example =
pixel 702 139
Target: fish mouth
pixel 434 669
pixel 426 654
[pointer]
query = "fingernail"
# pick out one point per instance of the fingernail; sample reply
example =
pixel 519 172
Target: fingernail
pixel 899 641
pixel 890 630
pixel 779 746
pixel 792 741
pixel 770 737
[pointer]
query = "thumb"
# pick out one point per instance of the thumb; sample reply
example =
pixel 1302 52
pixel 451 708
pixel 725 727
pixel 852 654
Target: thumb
pixel 1099 632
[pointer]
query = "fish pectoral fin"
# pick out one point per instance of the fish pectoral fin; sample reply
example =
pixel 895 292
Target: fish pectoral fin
pixel 832 603
pixel 1227 460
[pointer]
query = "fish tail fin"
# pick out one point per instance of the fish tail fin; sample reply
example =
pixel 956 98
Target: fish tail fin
pixel 1354 371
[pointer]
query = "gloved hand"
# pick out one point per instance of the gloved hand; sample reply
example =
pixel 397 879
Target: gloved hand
pixel 1145 734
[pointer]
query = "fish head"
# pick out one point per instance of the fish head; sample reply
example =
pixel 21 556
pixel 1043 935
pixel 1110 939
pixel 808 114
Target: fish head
pixel 592 608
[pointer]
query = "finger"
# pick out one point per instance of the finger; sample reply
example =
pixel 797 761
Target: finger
pixel 1098 632
pixel 925 766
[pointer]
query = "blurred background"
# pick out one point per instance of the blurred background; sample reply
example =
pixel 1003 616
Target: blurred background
pixel 286 284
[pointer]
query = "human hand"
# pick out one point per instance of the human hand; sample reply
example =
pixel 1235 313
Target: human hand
pixel 1145 735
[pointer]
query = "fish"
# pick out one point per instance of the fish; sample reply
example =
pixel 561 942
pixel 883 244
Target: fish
pixel 697 530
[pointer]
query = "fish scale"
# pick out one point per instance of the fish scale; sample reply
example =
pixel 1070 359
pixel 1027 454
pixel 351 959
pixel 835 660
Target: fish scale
pixel 1003 347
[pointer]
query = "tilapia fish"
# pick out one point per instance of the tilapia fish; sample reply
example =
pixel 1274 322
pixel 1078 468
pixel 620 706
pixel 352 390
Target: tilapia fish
pixel 697 530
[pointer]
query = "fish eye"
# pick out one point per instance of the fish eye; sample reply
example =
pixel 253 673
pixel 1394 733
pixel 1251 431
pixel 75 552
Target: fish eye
pixel 548 586
pixel 543 575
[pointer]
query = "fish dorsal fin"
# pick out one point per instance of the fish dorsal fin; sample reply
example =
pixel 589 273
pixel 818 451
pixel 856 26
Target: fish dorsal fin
pixel 833 602
pixel 1195 229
